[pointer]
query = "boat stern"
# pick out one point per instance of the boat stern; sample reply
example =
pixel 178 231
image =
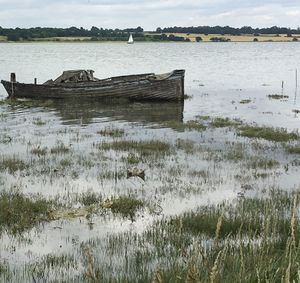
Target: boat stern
pixel 9 87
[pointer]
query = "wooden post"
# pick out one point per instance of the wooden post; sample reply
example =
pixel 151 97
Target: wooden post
pixel 12 80
pixel 35 81
pixel 13 77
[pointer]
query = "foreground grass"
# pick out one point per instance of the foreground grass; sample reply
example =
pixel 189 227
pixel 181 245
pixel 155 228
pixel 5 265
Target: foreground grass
pixel 19 212
pixel 252 240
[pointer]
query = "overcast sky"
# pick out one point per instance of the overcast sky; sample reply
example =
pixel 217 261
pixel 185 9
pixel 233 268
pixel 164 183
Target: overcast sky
pixel 149 14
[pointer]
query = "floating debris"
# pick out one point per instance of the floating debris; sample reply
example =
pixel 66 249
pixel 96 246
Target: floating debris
pixel 136 173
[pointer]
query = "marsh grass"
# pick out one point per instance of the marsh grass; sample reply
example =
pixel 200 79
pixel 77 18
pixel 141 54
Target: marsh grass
pixel 187 146
pixel 39 151
pixel 277 96
pixel 126 206
pixel 270 134
pixel 252 240
pixel 192 125
pixel 131 158
pixel 112 132
pixel 12 164
pixel 60 148
pixel 293 149
pixel 262 163
pixel 144 148
pixel 245 101
pixel 224 122
pixel 39 122
pixel 90 198
pixel 19 212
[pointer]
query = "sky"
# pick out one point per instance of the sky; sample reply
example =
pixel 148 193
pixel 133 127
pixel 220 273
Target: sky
pixel 149 14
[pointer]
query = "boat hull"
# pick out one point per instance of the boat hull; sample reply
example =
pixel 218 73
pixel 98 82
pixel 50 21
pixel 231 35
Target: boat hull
pixel 168 87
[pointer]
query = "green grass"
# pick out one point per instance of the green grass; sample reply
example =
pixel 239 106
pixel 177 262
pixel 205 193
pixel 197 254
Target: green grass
pixel 187 146
pixel 270 134
pixel 250 240
pixel 39 151
pixel 131 158
pixel 12 164
pixel 144 148
pixel 39 122
pixel 60 148
pixel 277 96
pixel 19 212
pixel 294 149
pixel 125 206
pixel 263 163
pixel 224 122
pixel 191 125
pixel 245 101
pixel 112 132
pixel 90 198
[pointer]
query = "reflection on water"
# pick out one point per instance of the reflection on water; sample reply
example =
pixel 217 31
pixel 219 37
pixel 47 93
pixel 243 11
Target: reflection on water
pixel 87 110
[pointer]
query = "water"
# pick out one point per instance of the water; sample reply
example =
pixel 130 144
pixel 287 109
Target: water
pixel 218 77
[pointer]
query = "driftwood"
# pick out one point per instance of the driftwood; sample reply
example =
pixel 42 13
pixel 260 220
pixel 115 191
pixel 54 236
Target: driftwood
pixel 136 173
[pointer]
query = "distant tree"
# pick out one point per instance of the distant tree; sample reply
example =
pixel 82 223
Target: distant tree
pixel 139 29
pixel 159 30
pixel 295 39
pixel 198 38
pixel 255 39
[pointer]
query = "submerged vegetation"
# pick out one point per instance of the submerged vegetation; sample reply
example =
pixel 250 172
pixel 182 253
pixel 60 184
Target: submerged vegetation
pixel 19 212
pixel 271 134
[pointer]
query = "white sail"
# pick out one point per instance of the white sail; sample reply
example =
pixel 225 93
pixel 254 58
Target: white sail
pixel 130 40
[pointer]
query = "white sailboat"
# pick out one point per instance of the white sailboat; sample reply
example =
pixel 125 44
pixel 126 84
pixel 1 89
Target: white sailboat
pixel 130 40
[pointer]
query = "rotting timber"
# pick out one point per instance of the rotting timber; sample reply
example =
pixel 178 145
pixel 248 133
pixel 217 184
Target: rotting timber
pixel 82 83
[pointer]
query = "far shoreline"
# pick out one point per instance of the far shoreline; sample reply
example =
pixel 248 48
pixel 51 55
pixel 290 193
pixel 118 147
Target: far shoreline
pixel 196 38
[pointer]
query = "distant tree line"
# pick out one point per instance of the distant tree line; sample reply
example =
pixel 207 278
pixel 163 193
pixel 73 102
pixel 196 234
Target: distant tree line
pixel 39 32
pixel 94 34
pixel 229 30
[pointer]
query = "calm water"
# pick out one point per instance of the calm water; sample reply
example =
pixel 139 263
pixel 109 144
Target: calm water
pixel 218 77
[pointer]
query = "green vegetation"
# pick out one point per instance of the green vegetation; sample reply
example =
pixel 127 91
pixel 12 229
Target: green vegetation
pixel 294 149
pixel 60 148
pixel 125 206
pixel 19 212
pixel 39 151
pixel 245 101
pixel 90 198
pixel 112 132
pixel 277 96
pixel 263 163
pixel 12 164
pixel 250 240
pixel 38 122
pixel 144 148
pixel 271 134
pixel 191 125
pixel 224 122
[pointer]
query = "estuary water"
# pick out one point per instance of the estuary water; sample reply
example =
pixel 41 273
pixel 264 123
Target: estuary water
pixel 218 75
pixel 62 141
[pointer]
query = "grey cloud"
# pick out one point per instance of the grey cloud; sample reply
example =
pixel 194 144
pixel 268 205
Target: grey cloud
pixel 148 14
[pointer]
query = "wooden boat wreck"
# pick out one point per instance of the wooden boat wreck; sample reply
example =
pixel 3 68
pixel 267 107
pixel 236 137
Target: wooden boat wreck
pixel 82 83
